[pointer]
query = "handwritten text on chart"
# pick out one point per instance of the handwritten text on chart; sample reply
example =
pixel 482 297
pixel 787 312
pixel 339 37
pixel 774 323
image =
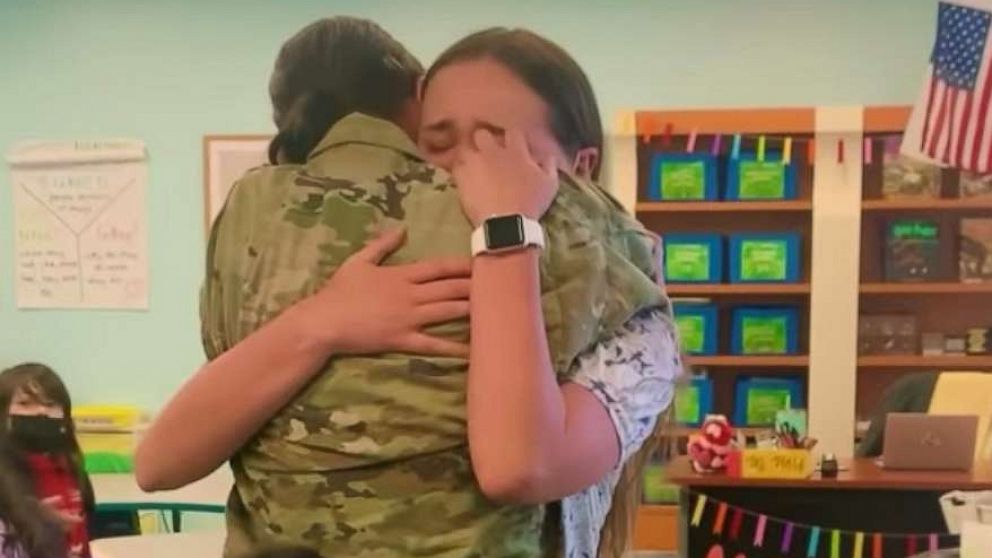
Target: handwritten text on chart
pixel 81 236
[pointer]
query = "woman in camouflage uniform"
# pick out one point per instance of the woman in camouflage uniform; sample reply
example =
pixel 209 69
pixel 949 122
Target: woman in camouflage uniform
pixel 270 324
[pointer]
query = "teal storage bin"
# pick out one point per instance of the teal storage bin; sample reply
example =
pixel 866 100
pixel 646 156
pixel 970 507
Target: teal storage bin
pixel 683 177
pixel 749 179
pixel 764 330
pixel 698 325
pixel 693 258
pixel 764 258
pixel 693 401
pixel 757 399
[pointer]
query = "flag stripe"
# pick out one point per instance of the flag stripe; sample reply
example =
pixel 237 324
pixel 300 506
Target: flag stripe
pixel 950 135
pixel 980 142
pixel 938 128
pixel 962 137
pixel 929 113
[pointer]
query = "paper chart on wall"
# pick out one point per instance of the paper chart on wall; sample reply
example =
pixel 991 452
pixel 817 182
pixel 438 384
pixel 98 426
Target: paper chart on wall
pixel 80 220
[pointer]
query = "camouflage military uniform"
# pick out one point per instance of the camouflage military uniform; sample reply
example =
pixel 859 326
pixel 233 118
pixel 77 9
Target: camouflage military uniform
pixel 371 458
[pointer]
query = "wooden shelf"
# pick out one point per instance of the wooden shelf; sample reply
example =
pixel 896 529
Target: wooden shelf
pixel 886 118
pixel 724 206
pixel 920 361
pixel 955 204
pixel 796 120
pixel 749 361
pixel 924 288
pixel 727 289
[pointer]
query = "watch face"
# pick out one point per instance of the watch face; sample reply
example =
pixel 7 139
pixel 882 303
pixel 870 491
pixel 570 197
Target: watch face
pixel 504 232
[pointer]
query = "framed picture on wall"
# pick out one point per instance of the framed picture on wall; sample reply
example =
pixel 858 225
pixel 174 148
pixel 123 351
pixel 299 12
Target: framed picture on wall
pixel 226 157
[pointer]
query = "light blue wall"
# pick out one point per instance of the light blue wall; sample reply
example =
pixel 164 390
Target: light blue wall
pixel 169 71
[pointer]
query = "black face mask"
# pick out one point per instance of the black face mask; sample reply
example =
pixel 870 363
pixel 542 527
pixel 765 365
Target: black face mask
pixel 40 433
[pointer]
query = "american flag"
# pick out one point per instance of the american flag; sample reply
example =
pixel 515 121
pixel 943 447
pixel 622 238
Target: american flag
pixel 957 120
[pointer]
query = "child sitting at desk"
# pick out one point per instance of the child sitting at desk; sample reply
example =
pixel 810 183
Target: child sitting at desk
pixel 36 422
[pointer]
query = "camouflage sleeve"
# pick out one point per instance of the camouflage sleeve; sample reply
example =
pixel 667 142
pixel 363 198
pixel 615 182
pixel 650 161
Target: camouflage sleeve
pixel 211 318
pixel 245 218
pixel 226 232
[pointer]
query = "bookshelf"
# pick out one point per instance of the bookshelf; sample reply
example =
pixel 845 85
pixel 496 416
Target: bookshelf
pixel 738 289
pixel 645 135
pixel 839 212
pixel 942 288
pixel 739 361
pixel 915 362
pixel 728 217
pixel 725 206
pixel 943 303
pixel 838 283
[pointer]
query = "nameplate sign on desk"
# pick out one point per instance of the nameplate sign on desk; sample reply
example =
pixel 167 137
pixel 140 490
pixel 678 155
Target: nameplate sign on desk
pixel 776 464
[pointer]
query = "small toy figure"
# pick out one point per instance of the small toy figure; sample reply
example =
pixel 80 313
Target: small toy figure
pixel 708 450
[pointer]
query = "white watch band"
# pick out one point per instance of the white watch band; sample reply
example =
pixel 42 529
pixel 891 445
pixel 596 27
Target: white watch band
pixel 533 236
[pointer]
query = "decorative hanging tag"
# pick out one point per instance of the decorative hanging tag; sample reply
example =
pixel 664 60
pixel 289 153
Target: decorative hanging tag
pixel 787 151
pixel 735 149
pixel 721 516
pixel 697 514
pixel 787 538
pixel 759 531
pixel 735 523
pixel 690 144
pixel 715 149
pixel 761 148
pixel 892 147
pixel 814 542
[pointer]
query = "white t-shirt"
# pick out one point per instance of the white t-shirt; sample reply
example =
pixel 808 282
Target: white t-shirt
pixel 633 374
pixel 9 548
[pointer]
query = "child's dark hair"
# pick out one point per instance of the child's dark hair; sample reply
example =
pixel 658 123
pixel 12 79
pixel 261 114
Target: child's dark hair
pixel 28 526
pixel 330 69
pixel 42 384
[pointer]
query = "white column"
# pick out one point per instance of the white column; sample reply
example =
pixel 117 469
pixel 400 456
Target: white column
pixel 622 165
pixel 836 248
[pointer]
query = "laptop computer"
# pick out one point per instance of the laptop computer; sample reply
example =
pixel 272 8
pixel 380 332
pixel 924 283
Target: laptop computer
pixel 918 441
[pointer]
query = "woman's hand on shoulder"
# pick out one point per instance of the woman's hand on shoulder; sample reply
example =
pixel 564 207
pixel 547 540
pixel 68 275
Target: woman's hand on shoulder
pixel 502 178
pixel 368 308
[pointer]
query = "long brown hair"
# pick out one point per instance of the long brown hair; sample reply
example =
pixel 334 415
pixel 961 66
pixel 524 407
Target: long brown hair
pixel 575 121
pixel 26 522
pixel 330 69
pixel 42 384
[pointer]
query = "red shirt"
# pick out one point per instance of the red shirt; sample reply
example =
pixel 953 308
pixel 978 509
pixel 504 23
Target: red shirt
pixel 53 478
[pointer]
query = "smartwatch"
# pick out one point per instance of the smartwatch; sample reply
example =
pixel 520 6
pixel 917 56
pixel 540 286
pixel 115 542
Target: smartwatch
pixel 506 233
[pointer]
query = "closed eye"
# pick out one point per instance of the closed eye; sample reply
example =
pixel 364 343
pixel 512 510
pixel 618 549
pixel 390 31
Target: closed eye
pixel 438 147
